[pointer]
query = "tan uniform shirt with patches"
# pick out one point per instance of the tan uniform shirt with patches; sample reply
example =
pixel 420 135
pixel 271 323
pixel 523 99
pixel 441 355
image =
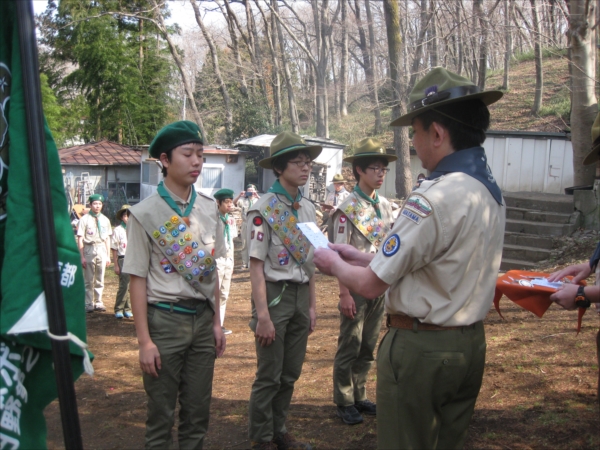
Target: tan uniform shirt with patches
pixel 265 245
pixel 341 196
pixel 88 229
pixel 118 241
pixel 145 259
pixel 233 232
pixel 442 258
pixel 344 231
pixel 244 204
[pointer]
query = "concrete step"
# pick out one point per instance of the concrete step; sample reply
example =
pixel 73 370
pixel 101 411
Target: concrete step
pixel 528 240
pixel 537 216
pixel 515 264
pixel 525 253
pixel 556 203
pixel 539 228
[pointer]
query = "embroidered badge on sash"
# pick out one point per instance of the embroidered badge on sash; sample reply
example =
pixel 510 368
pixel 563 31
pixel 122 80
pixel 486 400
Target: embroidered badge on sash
pixel 411 216
pixel 341 230
pixel 418 205
pixel 391 245
pixel 367 222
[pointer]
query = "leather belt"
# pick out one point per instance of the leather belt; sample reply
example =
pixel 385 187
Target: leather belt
pixel 412 323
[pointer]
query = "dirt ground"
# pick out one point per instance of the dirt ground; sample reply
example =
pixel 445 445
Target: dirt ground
pixel 539 388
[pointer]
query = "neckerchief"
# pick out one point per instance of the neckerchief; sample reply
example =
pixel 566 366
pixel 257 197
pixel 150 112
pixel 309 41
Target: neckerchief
pixel 595 257
pixel 97 217
pixel 162 191
pixel 473 162
pixel 226 234
pixel 123 224
pixel 373 201
pixel 277 188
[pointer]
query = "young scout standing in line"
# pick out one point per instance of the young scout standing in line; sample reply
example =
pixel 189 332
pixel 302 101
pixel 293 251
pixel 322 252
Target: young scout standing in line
pixel 363 220
pixel 93 240
pixel 244 201
pixel 334 200
pixel 119 246
pixel 440 264
pixel 174 238
pixel 224 199
pixel 283 290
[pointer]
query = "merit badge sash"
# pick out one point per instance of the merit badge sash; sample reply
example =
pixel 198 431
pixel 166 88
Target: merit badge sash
pixel 366 221
pixel 182 250
pixel 283 223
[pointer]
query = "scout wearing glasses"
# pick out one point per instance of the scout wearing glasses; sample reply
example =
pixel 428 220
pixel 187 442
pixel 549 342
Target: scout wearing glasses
pixel 283 289
pixel 174 238
pixel 439 264
pixel 362 220
pixel 244 201
pixel 224 199
pixel 93 240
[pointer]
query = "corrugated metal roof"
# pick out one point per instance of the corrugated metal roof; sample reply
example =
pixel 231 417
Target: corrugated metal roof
pixel 103 153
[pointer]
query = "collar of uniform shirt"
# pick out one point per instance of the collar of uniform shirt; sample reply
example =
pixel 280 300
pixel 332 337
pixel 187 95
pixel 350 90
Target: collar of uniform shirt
pixel 162 191
pixel 225 219
pixel 277 188
pixel 373 201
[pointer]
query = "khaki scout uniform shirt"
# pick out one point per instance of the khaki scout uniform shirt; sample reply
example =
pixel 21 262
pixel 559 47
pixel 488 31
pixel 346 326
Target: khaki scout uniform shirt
pixel 88 228
pixel 244 204
pixel 345 232
pixel 119 240
pixel 145 259
pixel 268 247
pixel 341 196
pixel 442 257
pixel 233 232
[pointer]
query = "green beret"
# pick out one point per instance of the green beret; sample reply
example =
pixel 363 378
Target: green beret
pixel 174 135
pixel 96 198
pixel 223 194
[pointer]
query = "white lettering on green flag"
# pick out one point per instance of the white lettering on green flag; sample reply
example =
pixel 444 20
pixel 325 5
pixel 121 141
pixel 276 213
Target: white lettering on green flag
pixel 27 380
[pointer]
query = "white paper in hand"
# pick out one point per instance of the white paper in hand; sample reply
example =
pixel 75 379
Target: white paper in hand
pixel 313 234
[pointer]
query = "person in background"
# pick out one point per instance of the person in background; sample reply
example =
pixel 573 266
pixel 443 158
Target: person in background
pixel 118 246
pixel 332 202
pixel 224 199
pixel 360 318
pixel 244 201
pixel 93 240
pixel 420 178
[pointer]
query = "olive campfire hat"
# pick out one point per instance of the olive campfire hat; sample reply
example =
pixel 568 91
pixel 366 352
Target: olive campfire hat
pixel 287 142
pixel 441 87
pixel 594 154
pixel 119 214
pixel 369 148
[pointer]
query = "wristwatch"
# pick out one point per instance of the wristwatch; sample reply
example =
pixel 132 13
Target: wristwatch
pixel 581 301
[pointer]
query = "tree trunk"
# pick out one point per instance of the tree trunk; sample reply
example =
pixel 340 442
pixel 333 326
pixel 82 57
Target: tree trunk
pixel 286 73
pixel 344 63
pixel 243 85
pixel 507 45
pixel 160 22
pixel 432 32
pixel 377 111
pixel 483 50
pixel 215 63
pixel 420 44
pixel 539 75
pixel 336 85
pixel 584 105
pixel 401 142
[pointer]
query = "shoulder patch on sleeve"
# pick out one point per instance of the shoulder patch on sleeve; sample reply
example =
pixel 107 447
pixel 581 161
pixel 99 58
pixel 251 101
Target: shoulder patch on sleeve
pixel 391 245
pixel 257 221
pixel 343 218
pixel 419 205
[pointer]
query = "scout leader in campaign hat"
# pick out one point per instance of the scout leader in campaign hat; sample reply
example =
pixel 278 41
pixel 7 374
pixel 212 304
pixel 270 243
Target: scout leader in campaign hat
pixel 370 148
pixel 594 154
pixel 174 135
pixel 441 87
pixel 338 178
pixel 287 142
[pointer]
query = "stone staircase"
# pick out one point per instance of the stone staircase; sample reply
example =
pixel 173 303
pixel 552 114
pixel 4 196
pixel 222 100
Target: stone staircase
pixel 532 221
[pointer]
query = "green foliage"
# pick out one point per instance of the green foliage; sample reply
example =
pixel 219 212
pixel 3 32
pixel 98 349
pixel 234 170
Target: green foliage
pixel 558 105
pixel 120 68
pixel 549 52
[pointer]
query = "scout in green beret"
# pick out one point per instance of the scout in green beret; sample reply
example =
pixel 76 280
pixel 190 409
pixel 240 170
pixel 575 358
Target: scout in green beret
pixel 283 289
pixel 225 264
pixel 438 268
pixel 119 246
pixel 93 240
pixel 174 238
pixel 360 317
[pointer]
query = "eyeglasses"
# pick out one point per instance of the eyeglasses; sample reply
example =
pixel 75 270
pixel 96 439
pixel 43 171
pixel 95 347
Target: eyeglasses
pixel 379 170
pixel 302 164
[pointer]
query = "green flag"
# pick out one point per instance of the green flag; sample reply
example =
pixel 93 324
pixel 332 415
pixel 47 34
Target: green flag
pixel 27 381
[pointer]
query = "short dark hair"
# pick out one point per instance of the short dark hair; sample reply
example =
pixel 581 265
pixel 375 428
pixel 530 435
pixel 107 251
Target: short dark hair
pixel 169 154
pixel 280 163
pixel 474 114
pixel 363 163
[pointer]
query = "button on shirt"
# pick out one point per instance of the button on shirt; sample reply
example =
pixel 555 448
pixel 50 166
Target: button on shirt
pixel 442 258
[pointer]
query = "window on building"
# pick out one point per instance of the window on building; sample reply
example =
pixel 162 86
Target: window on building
pixel 212 176
pixel 150 173
pixel 130 190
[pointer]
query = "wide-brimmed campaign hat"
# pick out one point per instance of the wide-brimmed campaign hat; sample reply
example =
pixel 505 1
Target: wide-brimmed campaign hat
pixel 441 87
pixel 287 142
pixel 594 154
pixel 120 212
pixel 369 148
pixel 338 178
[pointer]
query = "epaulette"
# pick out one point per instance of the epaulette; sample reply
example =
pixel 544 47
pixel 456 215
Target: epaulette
pixel 426 184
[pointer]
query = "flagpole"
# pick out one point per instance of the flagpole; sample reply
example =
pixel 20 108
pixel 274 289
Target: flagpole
pixel 45 226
